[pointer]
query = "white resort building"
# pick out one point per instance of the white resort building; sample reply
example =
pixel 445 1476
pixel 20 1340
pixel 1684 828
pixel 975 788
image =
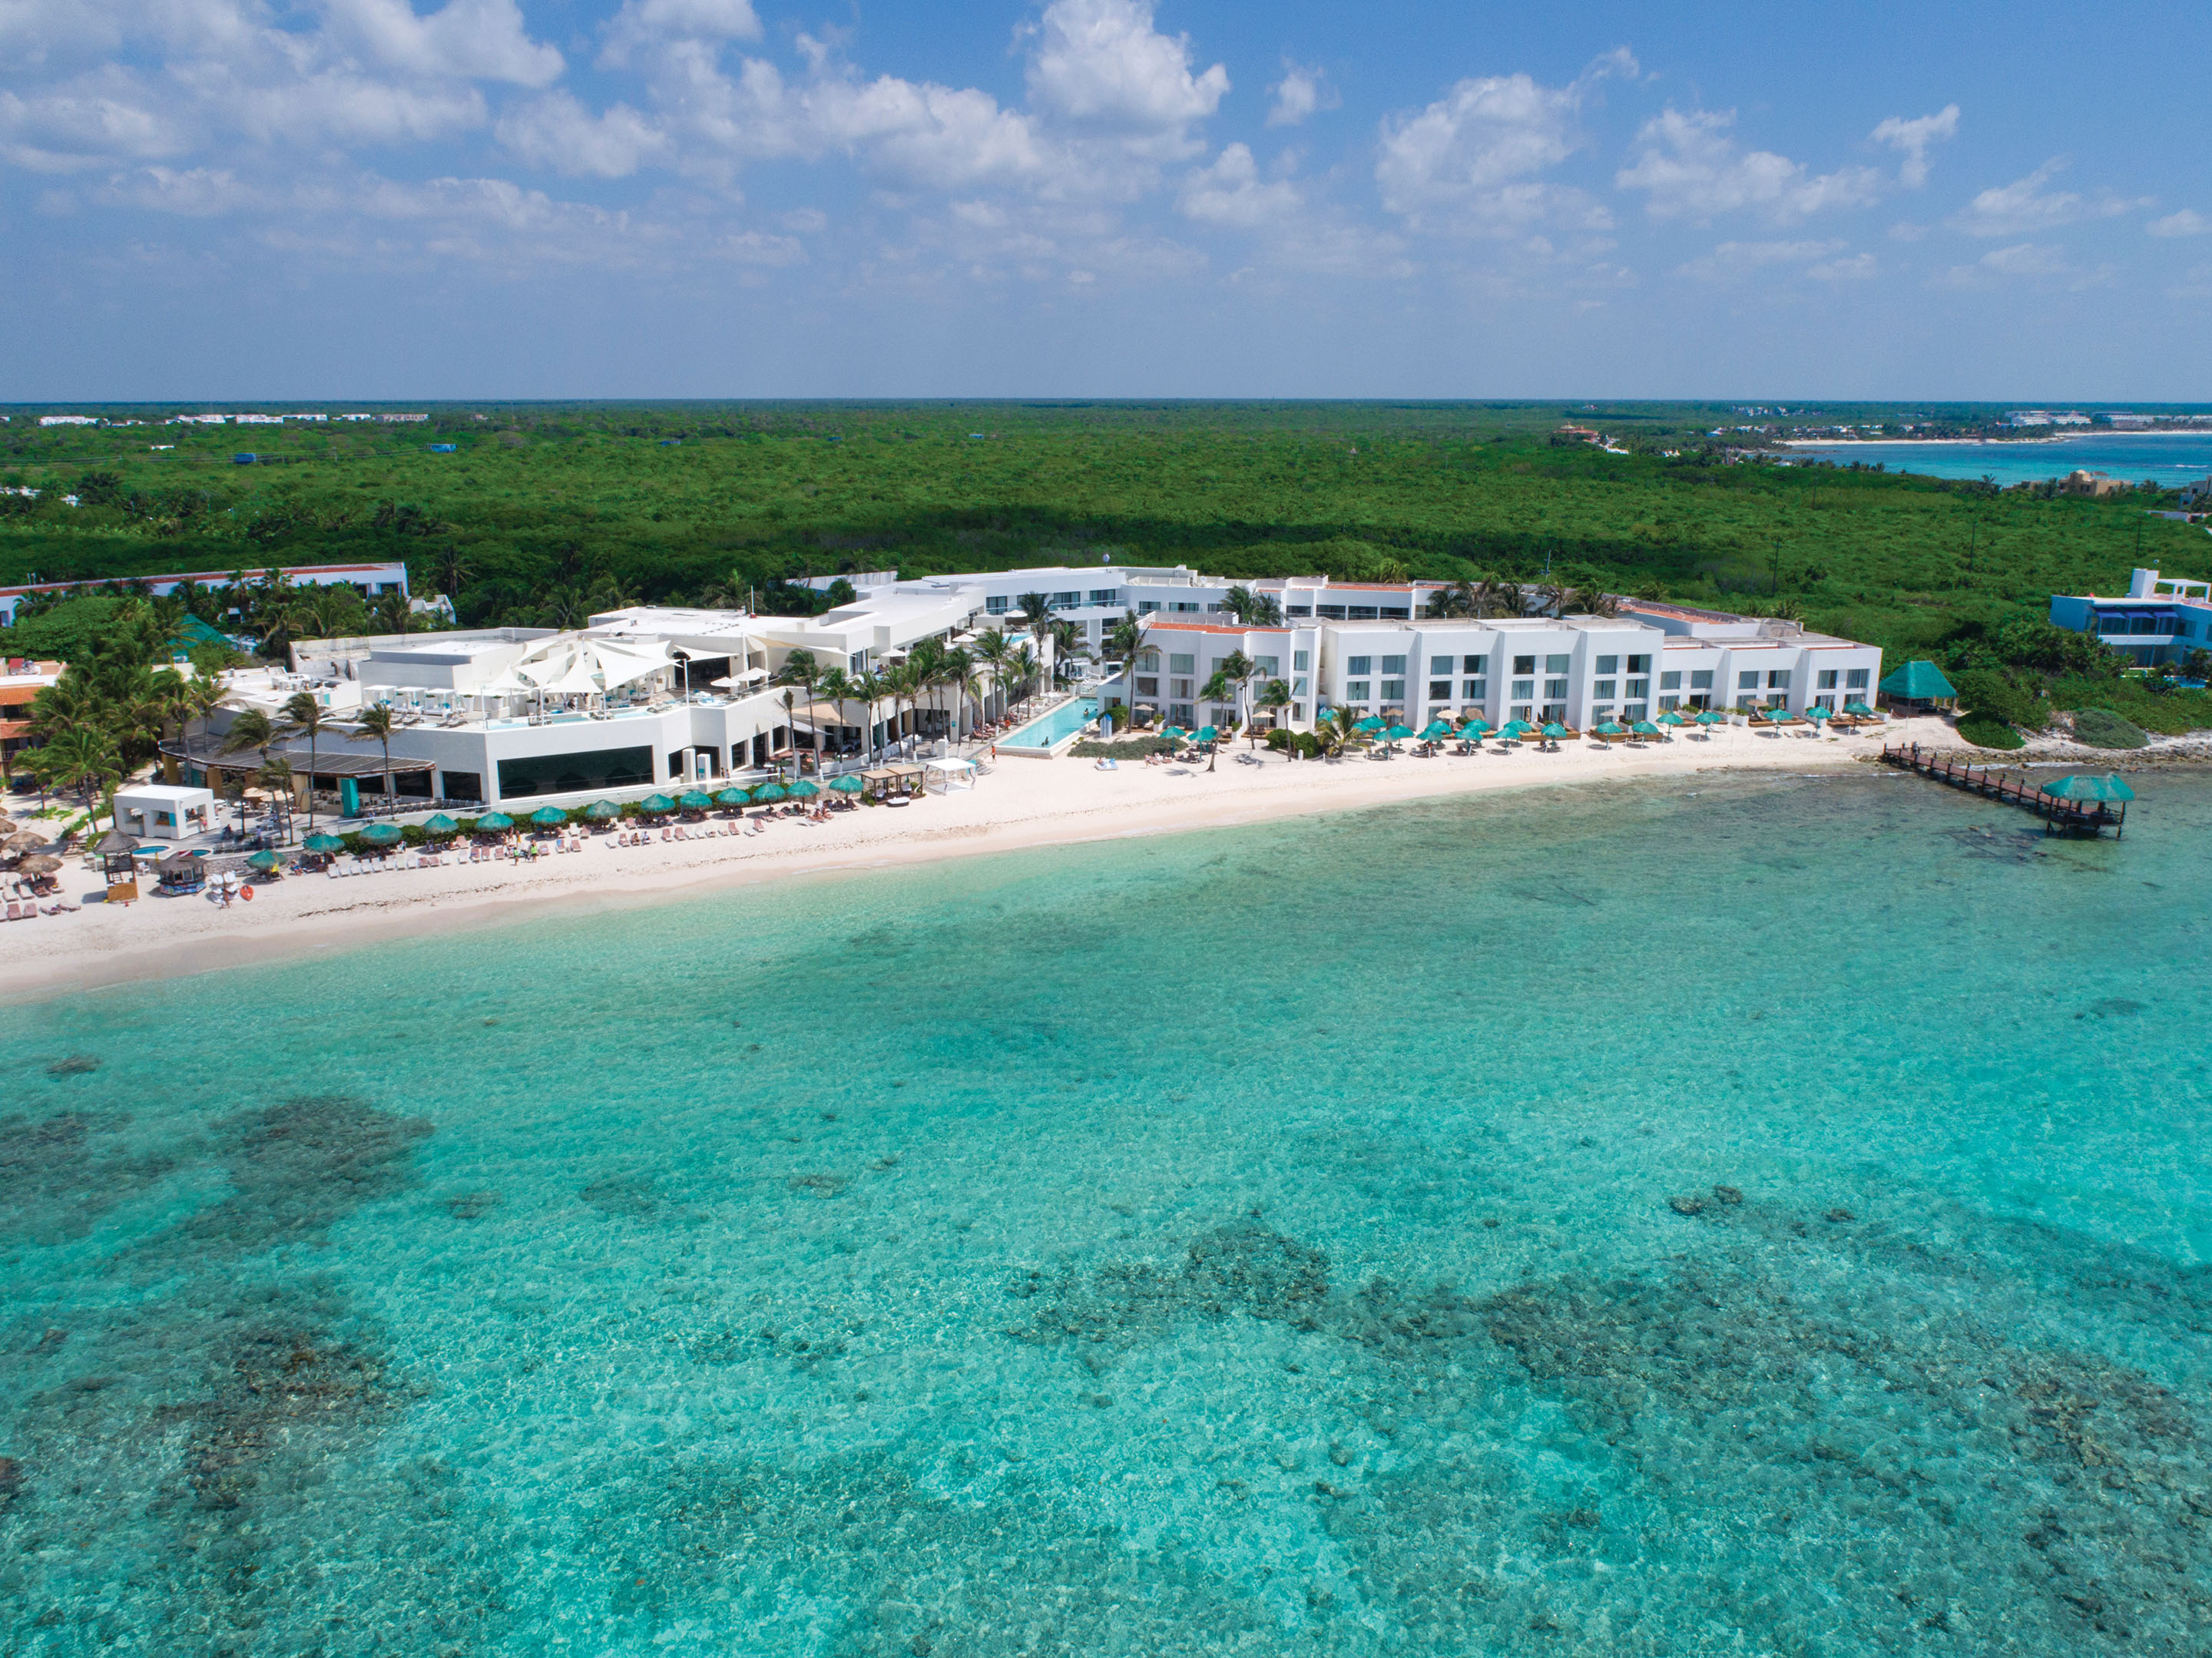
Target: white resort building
pixel 660 696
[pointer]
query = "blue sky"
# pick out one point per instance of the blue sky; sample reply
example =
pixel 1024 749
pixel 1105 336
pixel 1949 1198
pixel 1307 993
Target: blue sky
pixel 484 198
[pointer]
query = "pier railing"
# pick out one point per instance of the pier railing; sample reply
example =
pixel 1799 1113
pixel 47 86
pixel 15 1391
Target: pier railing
pixel 2069 816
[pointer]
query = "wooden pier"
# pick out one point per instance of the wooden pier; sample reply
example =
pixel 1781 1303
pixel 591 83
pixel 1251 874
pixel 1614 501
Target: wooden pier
pixel 2059 816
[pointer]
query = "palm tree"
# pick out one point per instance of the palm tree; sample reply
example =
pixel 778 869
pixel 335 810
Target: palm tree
pixel 955 671
pixel 1022 663
pixel 1125 639
pixel 1240 602
pixel 996 651
pixel 1216 690
pixel 275 780
pixel 1551 598
pixel 836 685
pixel 392 611
pixel 1237 670
pixel 1067 647
pixel 80 758
pixel 251 728
pixel 1267 612
pixel 375 724
pixel 1458 600
pixel 801 668
pixel 304 713
pixel 871 688
pixel 1275 697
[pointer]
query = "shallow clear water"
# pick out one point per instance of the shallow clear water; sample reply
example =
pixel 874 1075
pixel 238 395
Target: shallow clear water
pixel 1259 1242
pixel 2172 461
pixel 1065 721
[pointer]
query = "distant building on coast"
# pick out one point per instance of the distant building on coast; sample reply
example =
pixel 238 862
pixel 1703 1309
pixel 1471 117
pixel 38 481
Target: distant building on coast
pixel 369 580
pixel 20 682
pixel 2159 620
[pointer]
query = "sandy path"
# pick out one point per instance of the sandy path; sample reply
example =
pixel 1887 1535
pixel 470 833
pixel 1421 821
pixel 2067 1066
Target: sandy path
pixel 1023 802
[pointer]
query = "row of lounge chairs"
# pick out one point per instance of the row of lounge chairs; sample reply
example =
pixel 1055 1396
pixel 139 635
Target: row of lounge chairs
pixel 30 909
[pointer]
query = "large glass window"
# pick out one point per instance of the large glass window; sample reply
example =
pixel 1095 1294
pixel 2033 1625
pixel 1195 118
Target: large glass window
pixel 1181 662
pixel 1826 681
pixel 1747 680
pixel 1440 689
pixel 1105 595
pixel 1555 688
pixel 1524 664
pixel 1670 681
pixel 1440 664
pixel 997 604
pixel 1603 687
pixel 1362 666
pixel 1639 687
pixel 1266 667
pixel 1701 679
pixel 1639 664
pixel 1608 665
pixel 1854 679
pixel 1355 690
pixel 1474 665
pixel 1394 690
pixel 1301 661
pixel 1394 664
pixel 1778 679
pixel 1524 688
pixel 1474 691
pixel 1066 601
pixel 1557 664
pixel 572 773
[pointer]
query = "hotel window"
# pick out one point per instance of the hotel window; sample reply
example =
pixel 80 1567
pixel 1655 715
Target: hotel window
pixel 1355 690
pixel 1394 690
pixel 1301 661
pixel 1778 679
pixel 1148 687
pixel 1524 664
pixel 1224 717
pixel 1360 612
pixel 1639 664
pixel 1747 680
pixel 1854 679
pixel 996 604
pixel 1181 663
pixel 1557 664
pixel 1298 688
pixel 1440 689
pixel 1670 681
pixel 1826 681
pixel 1297 610
pixel 1148 661
pixel 1266 667
pixel 1521 710
pixel 1359 664
pixel 1554 689
pixel 1603 687
pixel 1066 601
pixel 1298 709
pixel 1105 595
pixel 1394 664
pixel 1524 688
pixel 1179 714
pixel 1145 606
pixel 1608 665
pixel 1669 703
pixel 1636 711
pixel 1215 610
pixel 1179 688
pixel 1638 687
pixel 1182 609
pixel 1475 690
pixel 1701 679
pixel 1474 665
pixel 1440 664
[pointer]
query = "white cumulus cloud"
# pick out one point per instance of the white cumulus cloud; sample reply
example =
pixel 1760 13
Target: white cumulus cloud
pixel 2187 222
pixel 1689 166
pixel 1468 162
pixel 1301 93
pixel 1913 138
pixel 2025 206
pixel 557 131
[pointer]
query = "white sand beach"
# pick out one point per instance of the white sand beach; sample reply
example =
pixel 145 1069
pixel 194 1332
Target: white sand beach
pixel 1022 802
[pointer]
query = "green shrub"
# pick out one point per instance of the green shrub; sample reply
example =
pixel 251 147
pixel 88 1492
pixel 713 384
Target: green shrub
pixel 1985 732
pixel 1133 748
pixel 2100 728
pixel 1994 696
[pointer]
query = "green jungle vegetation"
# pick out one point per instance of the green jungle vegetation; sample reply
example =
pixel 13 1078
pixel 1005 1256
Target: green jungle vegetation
pixel 544 513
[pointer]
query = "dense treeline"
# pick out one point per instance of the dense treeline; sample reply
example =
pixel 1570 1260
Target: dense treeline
pixel 542 514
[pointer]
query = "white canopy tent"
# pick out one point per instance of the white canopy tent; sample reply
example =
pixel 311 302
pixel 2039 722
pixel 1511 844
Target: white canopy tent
pixel 949 774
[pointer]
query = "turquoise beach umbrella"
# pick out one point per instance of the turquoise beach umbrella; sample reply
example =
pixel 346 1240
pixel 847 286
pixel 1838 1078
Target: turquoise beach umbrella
pixel 694 800
pixel 2107 787
pixel 1399 733
pixel 1477 726
pixel 769 792
pixel 656 803
pixel 1205 734
pixel 262 861
pixel 438 823
pixel 1670 718
pixel 322 843
pixel 1709 718
pixel 805 789
pixel 1858 708
pixel 600 810
pixel 1372 723
pixel 1643 728
pixel 1555 730
pixel 847 785
pixel 734 796
pixel 1817 713
pixel 1435 729
pixel 1612 728
pixel 382 835
pixel 549 816
pixel 1514 730
pixel 493 822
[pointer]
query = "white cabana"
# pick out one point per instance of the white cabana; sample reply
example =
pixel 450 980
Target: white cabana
pixel 949 774
pixel 165 811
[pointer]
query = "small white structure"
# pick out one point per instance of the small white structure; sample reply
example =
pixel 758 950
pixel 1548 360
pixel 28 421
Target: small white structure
pixel 165 811
pixel 949 774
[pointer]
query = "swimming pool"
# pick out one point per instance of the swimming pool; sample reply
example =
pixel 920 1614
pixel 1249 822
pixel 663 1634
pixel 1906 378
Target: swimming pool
pixel 1047 731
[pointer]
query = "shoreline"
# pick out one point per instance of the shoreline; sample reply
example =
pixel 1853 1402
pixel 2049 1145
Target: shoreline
pixel 1024 805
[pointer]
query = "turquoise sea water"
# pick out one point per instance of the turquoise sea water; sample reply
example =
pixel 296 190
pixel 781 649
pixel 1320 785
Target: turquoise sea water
pixel 2172 461
pixel 1741 1216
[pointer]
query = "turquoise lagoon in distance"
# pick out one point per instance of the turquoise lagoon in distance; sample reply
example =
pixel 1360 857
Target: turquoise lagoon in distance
pixel 1748 1215
pixel 2172 459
